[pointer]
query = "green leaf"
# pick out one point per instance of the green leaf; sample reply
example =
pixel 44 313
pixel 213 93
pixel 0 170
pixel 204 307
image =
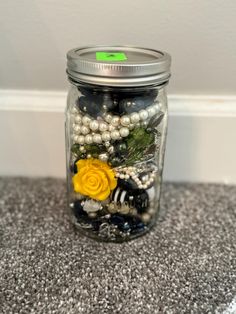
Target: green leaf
pixel 139 142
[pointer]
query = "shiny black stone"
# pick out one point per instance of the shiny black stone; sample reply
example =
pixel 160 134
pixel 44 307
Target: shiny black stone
pixel 107 104
pixel 117 220
pixel 135 224
pixel 78 211
pixel 96 224
pixel 86 91
pixel 90 105
pixel 137 227
pixel 125 227
pixel 120 146
pixel 115 161
pixel 135 104
pixel 121 222
pixel 120 150
pixel 141 201
pixel 74 167
pixel 120 153
pixel 127 223
pixel 128 185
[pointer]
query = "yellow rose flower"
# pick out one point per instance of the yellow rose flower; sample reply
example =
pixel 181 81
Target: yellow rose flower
pixel 94 179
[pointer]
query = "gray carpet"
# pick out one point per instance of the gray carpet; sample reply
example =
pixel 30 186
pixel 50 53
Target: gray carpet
pixel 187 264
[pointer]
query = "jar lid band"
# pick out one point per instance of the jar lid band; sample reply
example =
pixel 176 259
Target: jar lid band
pixel 120 66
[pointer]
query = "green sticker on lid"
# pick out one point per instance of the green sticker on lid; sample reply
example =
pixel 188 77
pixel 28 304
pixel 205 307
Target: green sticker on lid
pixel 110 56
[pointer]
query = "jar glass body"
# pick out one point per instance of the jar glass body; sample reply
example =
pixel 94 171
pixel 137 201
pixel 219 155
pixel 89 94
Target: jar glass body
pixel 115 144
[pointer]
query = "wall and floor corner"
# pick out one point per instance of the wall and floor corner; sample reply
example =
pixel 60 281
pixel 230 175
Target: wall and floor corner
pixel 200 143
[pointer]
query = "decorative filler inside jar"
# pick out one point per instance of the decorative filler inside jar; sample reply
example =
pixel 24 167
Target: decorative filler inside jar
pixel 116 122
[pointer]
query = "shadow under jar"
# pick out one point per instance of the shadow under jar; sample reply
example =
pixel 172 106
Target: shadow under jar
pixel 116 121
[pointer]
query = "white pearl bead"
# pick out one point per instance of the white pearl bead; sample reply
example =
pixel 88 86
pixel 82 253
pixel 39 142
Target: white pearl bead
pixel 86 120
pixel 81 139
pixel 97 138
pixel 103 126
pixel 111 150
pixel 124 131
pixel 74 110
pixel 75 138
pixel 151 111
pixel 146 217
pixel 88 139
pixel 115 121
pixel 76 128
pixel 143 114
pixel 111 128
pixel 126 176
pixel 103 157
pixel 125 120
pixel 134 117
pixel 94 125
pixel 122 176
pixel 78 118
pixel 115 135
pixel 106 136
pixel 84 130
pixel 108 117
pixel 107 144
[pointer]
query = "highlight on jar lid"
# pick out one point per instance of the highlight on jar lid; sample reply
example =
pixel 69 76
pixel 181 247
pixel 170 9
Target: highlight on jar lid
pixel 119 66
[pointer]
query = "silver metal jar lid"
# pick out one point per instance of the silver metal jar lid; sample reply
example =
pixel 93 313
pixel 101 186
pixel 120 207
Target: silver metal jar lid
pixel 122 66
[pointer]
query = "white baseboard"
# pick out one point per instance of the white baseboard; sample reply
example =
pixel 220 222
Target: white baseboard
pixel 200 144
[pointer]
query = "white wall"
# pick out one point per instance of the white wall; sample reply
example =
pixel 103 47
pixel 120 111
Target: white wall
pixel 200 35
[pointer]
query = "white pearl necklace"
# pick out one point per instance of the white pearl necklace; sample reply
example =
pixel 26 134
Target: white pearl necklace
pixel 127 172
pixel 87 130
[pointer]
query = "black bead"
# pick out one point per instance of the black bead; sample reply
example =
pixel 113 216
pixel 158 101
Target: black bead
pixel 78 211
pixel 115 161
pixel 120 149
pixel 137 228
pixel 120 221
pixel 117 220
pixel 74 167
pixel 125 227
pixel 96 224
pixel 135 223
pixel 127 184
pixel 141 201
pixel 90 105
pixel 127 223
pixel 135 104
pixel 86 91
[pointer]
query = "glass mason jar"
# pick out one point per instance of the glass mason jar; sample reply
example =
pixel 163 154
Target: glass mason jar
pixel 116 122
